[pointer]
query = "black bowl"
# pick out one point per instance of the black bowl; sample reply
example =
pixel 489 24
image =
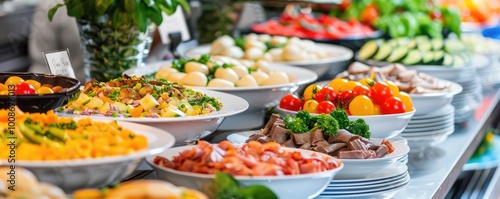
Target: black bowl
pixel 43 102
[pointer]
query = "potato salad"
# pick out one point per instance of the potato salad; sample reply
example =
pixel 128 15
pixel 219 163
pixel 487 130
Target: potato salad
pixel 268 48
pixel 220 71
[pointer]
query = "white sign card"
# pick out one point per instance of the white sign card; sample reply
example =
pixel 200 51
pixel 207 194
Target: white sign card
pixel 174 23
pixel 59 63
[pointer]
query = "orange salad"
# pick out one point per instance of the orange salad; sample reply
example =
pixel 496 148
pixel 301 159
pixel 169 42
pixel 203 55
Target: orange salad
pixel 250 159
pixel 46 136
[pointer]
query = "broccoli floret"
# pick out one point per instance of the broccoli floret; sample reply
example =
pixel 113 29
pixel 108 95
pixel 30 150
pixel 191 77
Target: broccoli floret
pixel 328 124
pixel 341 116
pixel 296 124
pixel 359 127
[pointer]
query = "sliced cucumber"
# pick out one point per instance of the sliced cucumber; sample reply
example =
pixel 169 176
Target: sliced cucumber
pixel 403 41
pixel 398 54
pixel 368 50
pixel 393 42
pixel 437 43
pixel 412 44
pixel 454 46
pixel 438 57
pixel 458 61
pixel 428 58
pixel 383 52
pixel 448 60
pixel 425 45
pixel 414 57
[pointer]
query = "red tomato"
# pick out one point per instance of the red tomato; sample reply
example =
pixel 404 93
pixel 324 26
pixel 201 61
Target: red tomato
pixel 393 105
pixel 361 90
pixel 290 102
pixel 326 94
pixel 325 107
pixel 380 91
pixel 370 14
pixel 345 98
pixel 24 88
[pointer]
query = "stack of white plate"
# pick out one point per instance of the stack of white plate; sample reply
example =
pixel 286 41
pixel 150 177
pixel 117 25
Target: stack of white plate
pixel 489 73
pixel 382 184
pixel 468 100
pixel 430 129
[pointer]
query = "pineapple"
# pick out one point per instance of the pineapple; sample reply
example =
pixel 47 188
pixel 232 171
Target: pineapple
pixel 171 111
pixel 79 102
pixel 148 102
pixel 94 103
pixel 121 106
pixel 185 106
pixel 104 108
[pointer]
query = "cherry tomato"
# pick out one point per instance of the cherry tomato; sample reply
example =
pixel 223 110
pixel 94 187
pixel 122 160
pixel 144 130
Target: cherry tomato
pixel 290 102
pixel 337 83
pixel 361 90
pixel 370 14
pixel 345 98
pixel 13 80
pixel 380 91
pixel 406 100
pixel 24 88
pixel 310 91
pixel 350 85
pixel 392 105
pixel 367 82
pixel 3 87
pixel 311 106
pixel 36 85
pixel 44 90
pixel 393 87
pixel 361 105
pixel 57 89
pixel 325 107
pixel 376 109
pixel 326 94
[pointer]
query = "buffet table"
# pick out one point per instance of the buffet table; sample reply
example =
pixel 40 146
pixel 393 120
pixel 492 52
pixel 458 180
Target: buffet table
pixel 432 175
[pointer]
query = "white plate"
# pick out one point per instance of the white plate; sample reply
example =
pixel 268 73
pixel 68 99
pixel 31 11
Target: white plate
pixel 365 183
pixel 382 194
pixel 429 133
pixel 394 169
pixel 199 126
pixel 366 188
pixel 430 122
pixel 430 128
pixel 447 110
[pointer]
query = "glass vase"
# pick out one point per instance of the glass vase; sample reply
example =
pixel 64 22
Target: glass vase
pixel 108 51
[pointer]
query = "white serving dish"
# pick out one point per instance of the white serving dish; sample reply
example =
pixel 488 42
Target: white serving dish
pixel 323 67
pixel 453 73
pixel 71 175
pixel 381 126
pixel 292 186
pixel 360 168
pixel 190 128
pixel 258 98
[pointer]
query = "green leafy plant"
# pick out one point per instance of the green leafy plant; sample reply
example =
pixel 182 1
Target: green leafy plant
pixel 140 12
pixel 229 188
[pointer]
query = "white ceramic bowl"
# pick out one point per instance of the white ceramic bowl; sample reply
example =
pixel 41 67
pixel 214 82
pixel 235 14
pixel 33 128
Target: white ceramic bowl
pixel 191 128
pixel 323 67
pixel 293 186
pixel 71 175
pixel 381 126
pixel 453 73
pixel 258 98
pixel 360 168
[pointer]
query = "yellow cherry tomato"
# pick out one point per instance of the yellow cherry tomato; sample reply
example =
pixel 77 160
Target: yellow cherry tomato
pixel 311 106
pixel 310 91
pixel 88 194
pixel 361 105
pixel 4 92
pixel 350 85
pixel 44 90
pixel 376 109
pixel 367 82
pixel 392 86
pixel 406 101
pixel 13 80
pixel 337 84
pixel 36 85
pixel 47 85
pixel 3 87
pixel 56 89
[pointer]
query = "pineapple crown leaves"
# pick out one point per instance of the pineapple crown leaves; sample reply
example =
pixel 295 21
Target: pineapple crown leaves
pixel 139 12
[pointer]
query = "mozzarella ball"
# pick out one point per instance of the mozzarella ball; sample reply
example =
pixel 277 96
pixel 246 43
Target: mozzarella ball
pixel 294 40
pixel 255 44
pixel 233 51
pixel 275 78
pixel 221 44
pixel 276 54
pixel 264 37
pixel 176 77
pixel 227 74
pixel 253 53
pixel 247 63
pixel 195 66
pixel 252 36
pixel 291 52
pixel 312 56
pixel 195 78
pixel 216 82
pixel 322 54
pixel 263 66
pixel 240 70
pixel 165 72
pixel 267 57
pixel 278 40
pixel 308 45
pixel 260 76
pixel 247 81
